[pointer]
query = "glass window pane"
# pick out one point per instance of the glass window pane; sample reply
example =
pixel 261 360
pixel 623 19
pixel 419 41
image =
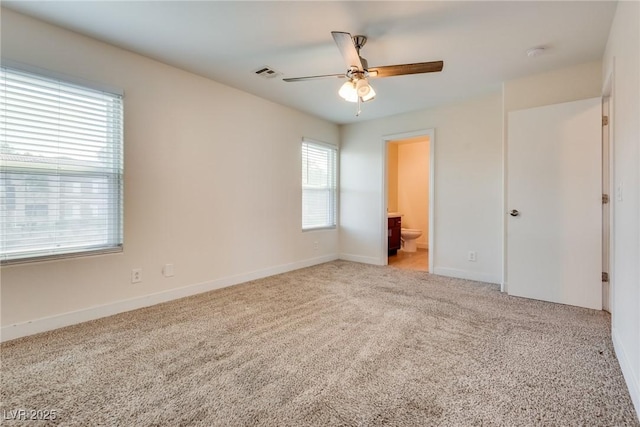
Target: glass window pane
pixel 319 193
pixel 61 169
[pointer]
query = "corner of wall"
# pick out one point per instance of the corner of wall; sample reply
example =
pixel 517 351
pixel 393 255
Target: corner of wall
pixel 628 372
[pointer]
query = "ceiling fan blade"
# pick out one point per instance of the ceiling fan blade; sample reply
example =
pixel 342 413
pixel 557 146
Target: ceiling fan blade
pixel 347 49
pixel 324 76
pixel 403 69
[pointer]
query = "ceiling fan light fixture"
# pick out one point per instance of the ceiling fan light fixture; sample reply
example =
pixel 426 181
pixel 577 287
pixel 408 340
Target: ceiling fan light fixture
pixel 370 95
pixel 351 90
pixel 348 91
pixel 362 87
pixel 357 88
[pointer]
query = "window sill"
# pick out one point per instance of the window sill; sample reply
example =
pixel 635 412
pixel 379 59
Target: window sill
pixel 332 227
pixel 60 257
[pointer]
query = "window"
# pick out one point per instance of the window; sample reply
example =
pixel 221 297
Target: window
pixel 319 193
pixel 60 168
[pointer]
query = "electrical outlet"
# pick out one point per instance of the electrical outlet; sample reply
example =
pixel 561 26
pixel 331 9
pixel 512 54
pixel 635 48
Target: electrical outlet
pixel 472 256
pixel 168 271
pixel 136 275
pixel 315 246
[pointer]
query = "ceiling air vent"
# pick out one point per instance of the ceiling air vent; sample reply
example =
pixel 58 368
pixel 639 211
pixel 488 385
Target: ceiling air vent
pixel 267 73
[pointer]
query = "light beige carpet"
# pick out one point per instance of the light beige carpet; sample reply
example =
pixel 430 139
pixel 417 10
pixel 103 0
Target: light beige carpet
pixel 336 344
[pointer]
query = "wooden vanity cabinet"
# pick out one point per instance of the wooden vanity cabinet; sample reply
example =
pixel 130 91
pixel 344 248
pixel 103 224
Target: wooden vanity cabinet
pixel 394 227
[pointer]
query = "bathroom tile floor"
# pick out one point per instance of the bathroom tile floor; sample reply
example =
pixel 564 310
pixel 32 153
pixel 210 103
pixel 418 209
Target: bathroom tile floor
pixel 410 260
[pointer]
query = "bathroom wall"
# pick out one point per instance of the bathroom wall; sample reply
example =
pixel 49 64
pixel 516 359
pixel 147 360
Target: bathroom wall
pixel 413 186
pixel 392 177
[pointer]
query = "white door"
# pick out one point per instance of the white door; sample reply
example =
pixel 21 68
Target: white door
pixel 554 203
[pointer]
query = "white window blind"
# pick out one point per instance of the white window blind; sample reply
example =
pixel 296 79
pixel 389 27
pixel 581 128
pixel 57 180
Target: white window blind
pixel 319 193
pixel 61 168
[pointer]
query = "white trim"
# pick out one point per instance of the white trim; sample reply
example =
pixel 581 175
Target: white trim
pixel 62 256
pixel 468 275
pixel 49 323
pixel 432 190
pixel 503 203
pixel 608 90
pixel 361 259
pixel 606 208
pixel 322 228
pixel 633 383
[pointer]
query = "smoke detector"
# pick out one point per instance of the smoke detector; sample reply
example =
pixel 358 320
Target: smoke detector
pixel 535 51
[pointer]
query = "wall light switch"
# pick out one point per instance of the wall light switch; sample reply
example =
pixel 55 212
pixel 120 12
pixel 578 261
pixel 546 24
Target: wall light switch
pixel 619 192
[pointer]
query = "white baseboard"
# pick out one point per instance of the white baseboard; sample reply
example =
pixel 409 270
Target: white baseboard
pixel 469 275
pixel 361 259
pixel 49 323
pixel 633 383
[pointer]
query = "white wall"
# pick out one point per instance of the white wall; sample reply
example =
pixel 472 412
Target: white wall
pixel 392 177
pixel 212 185
pixel 413 187
pixel 567 84
pixel 621 61
pixel 468 186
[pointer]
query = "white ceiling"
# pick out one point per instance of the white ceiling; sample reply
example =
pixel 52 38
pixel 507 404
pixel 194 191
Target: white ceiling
pixel 481 43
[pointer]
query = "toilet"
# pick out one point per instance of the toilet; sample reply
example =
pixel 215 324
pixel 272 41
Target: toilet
pixel 409 237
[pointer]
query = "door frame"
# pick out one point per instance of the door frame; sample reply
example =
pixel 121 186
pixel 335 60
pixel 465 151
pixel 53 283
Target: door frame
pixel 608 289
pixel 386 139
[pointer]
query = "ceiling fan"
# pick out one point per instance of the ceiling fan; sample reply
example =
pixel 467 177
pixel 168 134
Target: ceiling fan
pixel 357 88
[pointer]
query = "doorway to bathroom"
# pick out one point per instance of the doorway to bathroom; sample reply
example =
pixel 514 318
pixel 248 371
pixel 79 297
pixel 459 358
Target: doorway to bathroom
pixel 408 200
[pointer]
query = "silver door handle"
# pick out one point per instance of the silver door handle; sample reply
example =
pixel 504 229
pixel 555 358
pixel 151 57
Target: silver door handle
pixel 514 212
